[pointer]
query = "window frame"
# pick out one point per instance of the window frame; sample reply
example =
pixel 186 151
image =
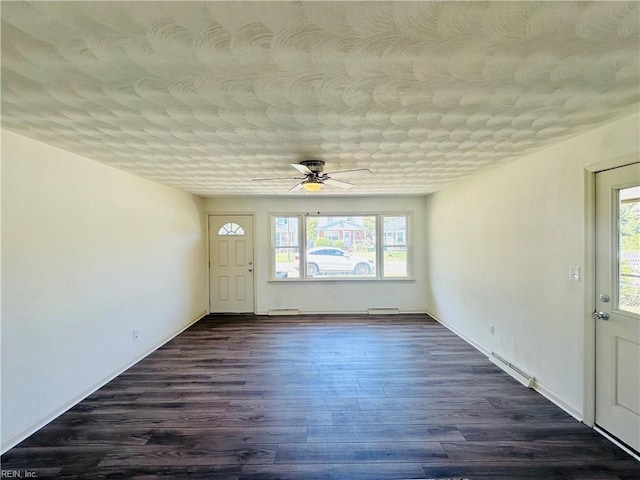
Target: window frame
pixel 382 244
pixel 273 272
pixel 303 247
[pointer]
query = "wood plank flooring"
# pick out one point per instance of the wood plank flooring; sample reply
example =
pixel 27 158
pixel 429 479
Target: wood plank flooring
pixel 318 397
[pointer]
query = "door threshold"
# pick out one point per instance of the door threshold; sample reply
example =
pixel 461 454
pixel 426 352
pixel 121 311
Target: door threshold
pixel 617 442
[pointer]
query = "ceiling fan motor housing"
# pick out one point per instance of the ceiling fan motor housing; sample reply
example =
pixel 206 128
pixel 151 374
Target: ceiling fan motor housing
pixel 316 166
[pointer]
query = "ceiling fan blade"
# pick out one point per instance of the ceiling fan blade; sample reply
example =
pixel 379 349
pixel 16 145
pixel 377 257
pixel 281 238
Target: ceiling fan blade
pixel 297 187
pixel 301 168
pixel 276 178
pixel 338 183
pixel 363 170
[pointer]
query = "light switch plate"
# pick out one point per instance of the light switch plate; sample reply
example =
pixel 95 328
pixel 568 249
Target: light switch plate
pixel 574 273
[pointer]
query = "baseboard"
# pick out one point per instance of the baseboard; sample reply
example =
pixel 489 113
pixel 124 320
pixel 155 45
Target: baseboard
pixel 368 311
pixel 537 386
pixel 462 335
pixel 549 395
pixel 33 428
pixel 383 311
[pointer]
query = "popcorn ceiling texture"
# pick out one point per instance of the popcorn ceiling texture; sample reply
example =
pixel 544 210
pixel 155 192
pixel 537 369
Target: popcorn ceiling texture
pixel 206 96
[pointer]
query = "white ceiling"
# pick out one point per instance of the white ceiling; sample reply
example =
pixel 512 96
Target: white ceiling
pixel 205 96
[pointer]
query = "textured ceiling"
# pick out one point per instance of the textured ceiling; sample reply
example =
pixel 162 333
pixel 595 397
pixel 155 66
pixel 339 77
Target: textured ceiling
pixel 205 96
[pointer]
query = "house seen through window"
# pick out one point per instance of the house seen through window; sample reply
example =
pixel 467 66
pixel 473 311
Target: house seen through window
pixel 348 247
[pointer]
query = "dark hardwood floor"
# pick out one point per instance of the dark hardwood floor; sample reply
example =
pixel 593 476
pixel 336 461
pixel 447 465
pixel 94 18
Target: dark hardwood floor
pixel 318 397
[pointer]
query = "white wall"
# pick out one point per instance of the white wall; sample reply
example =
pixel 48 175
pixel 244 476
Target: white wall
pixel 314 297
pixel 500 246
pixel 88 254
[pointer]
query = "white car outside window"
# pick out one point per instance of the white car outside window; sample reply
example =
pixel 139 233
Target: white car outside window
pixel 322 260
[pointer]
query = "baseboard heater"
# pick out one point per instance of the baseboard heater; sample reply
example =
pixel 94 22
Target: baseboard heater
pixel 284 311
pixel 517 373
pixel 383 311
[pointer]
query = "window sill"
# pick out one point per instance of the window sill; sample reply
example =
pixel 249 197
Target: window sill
pixel 342 280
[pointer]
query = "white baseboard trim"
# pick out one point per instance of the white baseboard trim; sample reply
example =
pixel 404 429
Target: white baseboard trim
pixel 360 312
pixel 383 311
pixel 537 386
pixel 549 395
pixel 342 312
pixel 462 335
pixel 34 427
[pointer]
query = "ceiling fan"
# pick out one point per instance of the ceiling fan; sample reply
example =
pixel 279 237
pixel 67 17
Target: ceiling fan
pixel 314 177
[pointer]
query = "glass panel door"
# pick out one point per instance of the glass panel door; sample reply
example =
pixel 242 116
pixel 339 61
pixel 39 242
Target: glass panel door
pixel 629 249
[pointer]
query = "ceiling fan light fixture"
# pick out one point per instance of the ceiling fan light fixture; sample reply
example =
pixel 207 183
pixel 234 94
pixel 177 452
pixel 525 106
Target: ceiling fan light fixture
pixel 310 186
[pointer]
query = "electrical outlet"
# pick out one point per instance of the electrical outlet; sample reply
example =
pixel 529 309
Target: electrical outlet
pixel 136 334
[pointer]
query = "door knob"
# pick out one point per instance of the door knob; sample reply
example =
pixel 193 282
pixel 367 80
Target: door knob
pixel 601 315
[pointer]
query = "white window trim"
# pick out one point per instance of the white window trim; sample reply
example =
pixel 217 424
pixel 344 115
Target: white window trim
pixel 273 247
pixel 302 247
pixel 380 243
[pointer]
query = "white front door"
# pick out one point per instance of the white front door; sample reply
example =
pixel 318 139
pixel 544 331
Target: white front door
pixel 231 263
pixel 617 313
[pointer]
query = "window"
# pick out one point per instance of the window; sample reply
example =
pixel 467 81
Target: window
pixel 394 233
pixel 231 229
pixel 286 236
pixel 332 235
pixel 629 249
pixel 340 247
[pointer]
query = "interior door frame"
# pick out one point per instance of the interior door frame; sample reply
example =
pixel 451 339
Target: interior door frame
pixel 590 172
pixel 208 253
